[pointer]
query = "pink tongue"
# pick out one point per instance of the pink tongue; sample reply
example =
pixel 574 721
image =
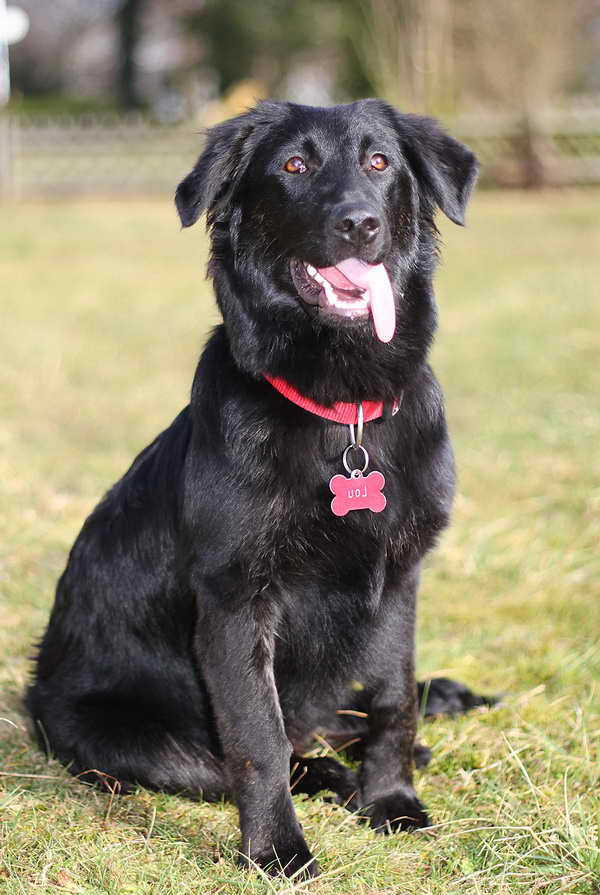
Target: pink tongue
pixel 374 280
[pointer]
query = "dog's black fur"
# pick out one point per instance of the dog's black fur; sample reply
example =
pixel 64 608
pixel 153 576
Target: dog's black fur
pixel 213 610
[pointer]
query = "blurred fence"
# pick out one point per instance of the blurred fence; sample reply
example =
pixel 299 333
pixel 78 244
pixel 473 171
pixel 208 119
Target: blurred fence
pixel 115 155
pixel 92 154
pixel 556 147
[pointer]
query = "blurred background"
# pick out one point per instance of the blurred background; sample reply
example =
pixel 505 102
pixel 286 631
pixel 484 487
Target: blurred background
pixel 109 95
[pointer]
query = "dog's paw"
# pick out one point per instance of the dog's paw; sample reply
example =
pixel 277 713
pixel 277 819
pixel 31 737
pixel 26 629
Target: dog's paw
pixel 287 860
pixel 397 812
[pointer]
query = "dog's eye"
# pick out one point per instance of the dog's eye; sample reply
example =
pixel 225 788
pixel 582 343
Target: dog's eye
pixel 378 162
pixel 295 165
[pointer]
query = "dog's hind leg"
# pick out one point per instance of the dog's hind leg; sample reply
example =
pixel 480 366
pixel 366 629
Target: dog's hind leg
pixel 120 740
pixel 168 766
pixel 442 696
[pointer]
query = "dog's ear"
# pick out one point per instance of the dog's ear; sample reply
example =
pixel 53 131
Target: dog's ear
pixel 445 167
pixel 226 154
pixel 212 177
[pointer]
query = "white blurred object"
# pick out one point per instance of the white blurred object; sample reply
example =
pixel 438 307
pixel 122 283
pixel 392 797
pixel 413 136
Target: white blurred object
pixel 14 25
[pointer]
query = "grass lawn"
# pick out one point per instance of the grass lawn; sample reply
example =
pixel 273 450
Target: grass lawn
pixel 104 311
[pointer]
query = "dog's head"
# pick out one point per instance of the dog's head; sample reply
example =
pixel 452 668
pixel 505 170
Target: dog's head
pixel 319 219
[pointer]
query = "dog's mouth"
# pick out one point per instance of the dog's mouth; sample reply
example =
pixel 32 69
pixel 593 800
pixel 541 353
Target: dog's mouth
pixel 351 290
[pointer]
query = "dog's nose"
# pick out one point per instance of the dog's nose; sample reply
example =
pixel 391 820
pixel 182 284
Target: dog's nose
pixel 357 225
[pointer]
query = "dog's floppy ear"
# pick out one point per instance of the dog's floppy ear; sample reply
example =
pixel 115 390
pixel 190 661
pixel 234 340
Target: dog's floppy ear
pixel 445 167
pixel 212 177
pixel 227 151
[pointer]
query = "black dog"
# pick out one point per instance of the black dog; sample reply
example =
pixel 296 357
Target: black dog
pixel 216 612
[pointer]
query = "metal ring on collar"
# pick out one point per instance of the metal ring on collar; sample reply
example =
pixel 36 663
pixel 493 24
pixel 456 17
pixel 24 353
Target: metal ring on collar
pixel 355 447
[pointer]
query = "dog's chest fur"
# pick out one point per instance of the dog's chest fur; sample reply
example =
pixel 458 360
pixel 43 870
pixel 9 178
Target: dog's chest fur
pixel 322 579
pixel 277 485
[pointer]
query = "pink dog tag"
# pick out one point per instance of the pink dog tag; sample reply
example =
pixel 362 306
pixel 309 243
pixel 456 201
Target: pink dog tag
pixel 357 492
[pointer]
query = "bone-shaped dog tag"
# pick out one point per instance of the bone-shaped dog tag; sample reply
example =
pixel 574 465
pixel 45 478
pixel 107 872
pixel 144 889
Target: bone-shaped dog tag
pixel 357 492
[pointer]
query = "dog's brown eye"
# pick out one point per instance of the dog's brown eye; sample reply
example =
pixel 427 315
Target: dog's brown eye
pixel 379 162
pixel 295 165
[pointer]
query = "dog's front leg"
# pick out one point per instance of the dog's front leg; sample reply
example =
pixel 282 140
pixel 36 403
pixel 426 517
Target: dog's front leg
pixel 234 646
pixel 387 791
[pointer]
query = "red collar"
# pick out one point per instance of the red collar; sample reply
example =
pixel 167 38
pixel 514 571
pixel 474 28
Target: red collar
pixel 340 412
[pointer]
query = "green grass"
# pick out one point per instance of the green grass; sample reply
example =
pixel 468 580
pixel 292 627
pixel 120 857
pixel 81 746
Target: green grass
pixel 104 310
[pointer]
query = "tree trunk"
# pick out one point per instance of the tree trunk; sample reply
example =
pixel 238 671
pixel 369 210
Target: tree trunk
pixel 128 23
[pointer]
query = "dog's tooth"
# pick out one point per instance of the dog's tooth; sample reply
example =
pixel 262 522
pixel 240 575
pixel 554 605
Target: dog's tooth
pixel 311 270
pixel 331 296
